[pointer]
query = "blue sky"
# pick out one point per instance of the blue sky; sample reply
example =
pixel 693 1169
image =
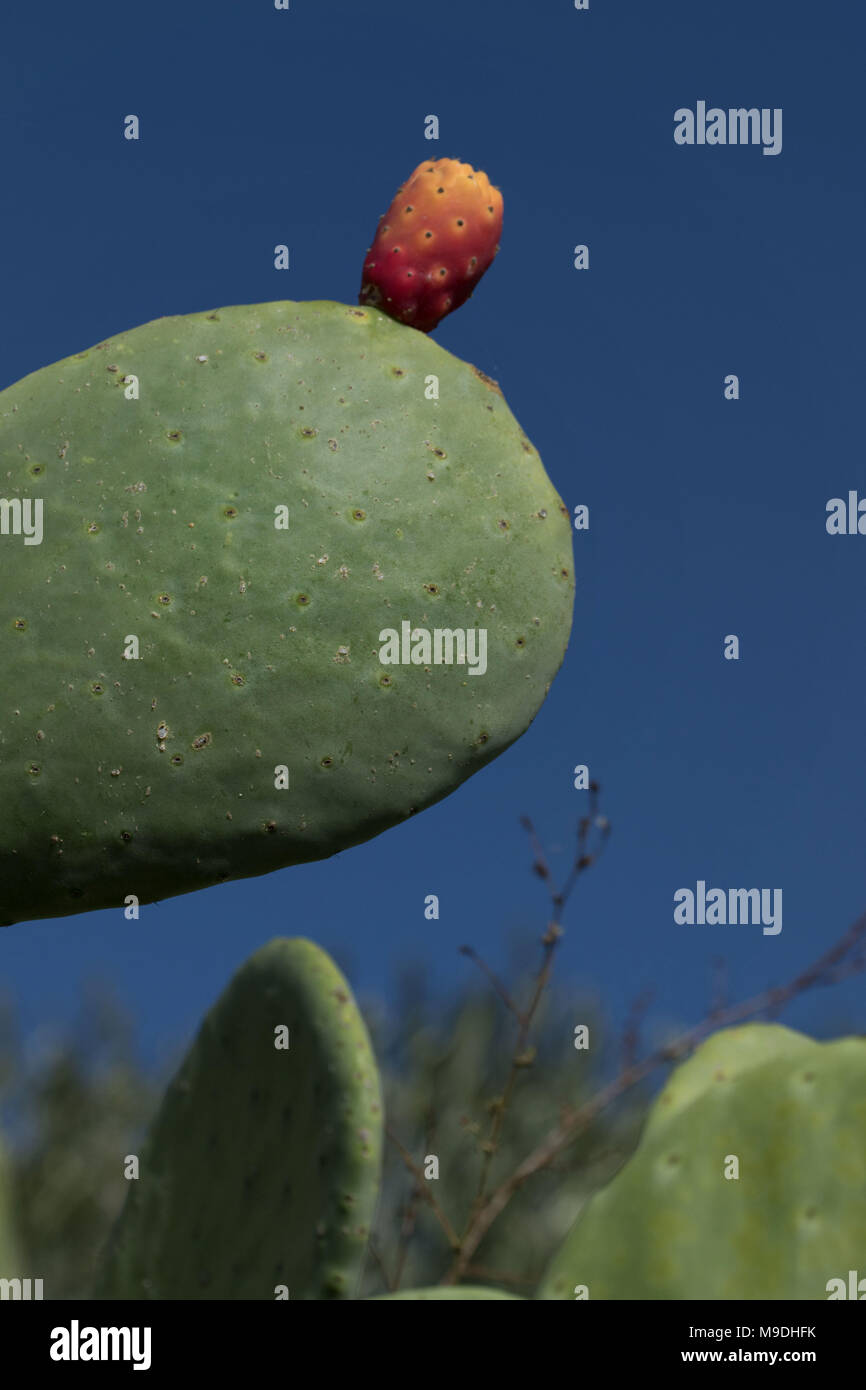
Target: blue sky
pixel 707 516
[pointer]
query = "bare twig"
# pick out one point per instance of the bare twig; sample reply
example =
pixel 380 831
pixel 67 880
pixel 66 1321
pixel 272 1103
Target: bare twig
pixel 540 866
pixel 373 1246
pixel 720 986
pixel 410 1210
pixel 583 860
pixel 494 980
pixel 425 1190
pixel 631 1031
pixel 522 1056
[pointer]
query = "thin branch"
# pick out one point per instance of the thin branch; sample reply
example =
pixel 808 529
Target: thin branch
pixel 719 996
pixel 540 866
pixel 410 1211
pixel 583 859
pixel 631 1031
pixel 425 1190
pixel 407 1230
pixel 380 1261
pixel 520 1059
pixel 522 1056
pixel 494 980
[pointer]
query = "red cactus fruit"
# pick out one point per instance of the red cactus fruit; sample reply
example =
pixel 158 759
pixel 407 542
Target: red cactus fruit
pixel 433 244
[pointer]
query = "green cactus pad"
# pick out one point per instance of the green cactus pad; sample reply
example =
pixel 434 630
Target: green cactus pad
pixel 461 1292
pixel 671 1226
pixel 258 647
pixel 262 1166
pixel 725 1055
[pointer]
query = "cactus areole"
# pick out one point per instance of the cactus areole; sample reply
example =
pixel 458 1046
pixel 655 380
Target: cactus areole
pixel 274 577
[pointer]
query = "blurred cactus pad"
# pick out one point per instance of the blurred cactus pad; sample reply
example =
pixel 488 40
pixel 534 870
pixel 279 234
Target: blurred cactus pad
pixel 261 1170
pixel 749 1181
pixel 210 522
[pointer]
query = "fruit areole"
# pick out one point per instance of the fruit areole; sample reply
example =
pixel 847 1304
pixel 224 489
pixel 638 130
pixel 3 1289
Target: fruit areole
pixel 274 578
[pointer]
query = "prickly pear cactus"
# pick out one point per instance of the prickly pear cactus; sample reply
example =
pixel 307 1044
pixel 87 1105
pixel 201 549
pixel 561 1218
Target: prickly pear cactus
pixel 261 1170
pixel 672 1225
pixel 235 507
pixel 462 1292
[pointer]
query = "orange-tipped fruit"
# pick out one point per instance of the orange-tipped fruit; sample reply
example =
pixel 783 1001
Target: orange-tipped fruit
pixel 433 244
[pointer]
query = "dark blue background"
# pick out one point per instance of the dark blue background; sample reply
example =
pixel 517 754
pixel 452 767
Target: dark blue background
pixel 707 516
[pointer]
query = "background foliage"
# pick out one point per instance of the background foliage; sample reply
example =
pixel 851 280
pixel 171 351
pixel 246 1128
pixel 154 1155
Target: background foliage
pixel 74 1103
